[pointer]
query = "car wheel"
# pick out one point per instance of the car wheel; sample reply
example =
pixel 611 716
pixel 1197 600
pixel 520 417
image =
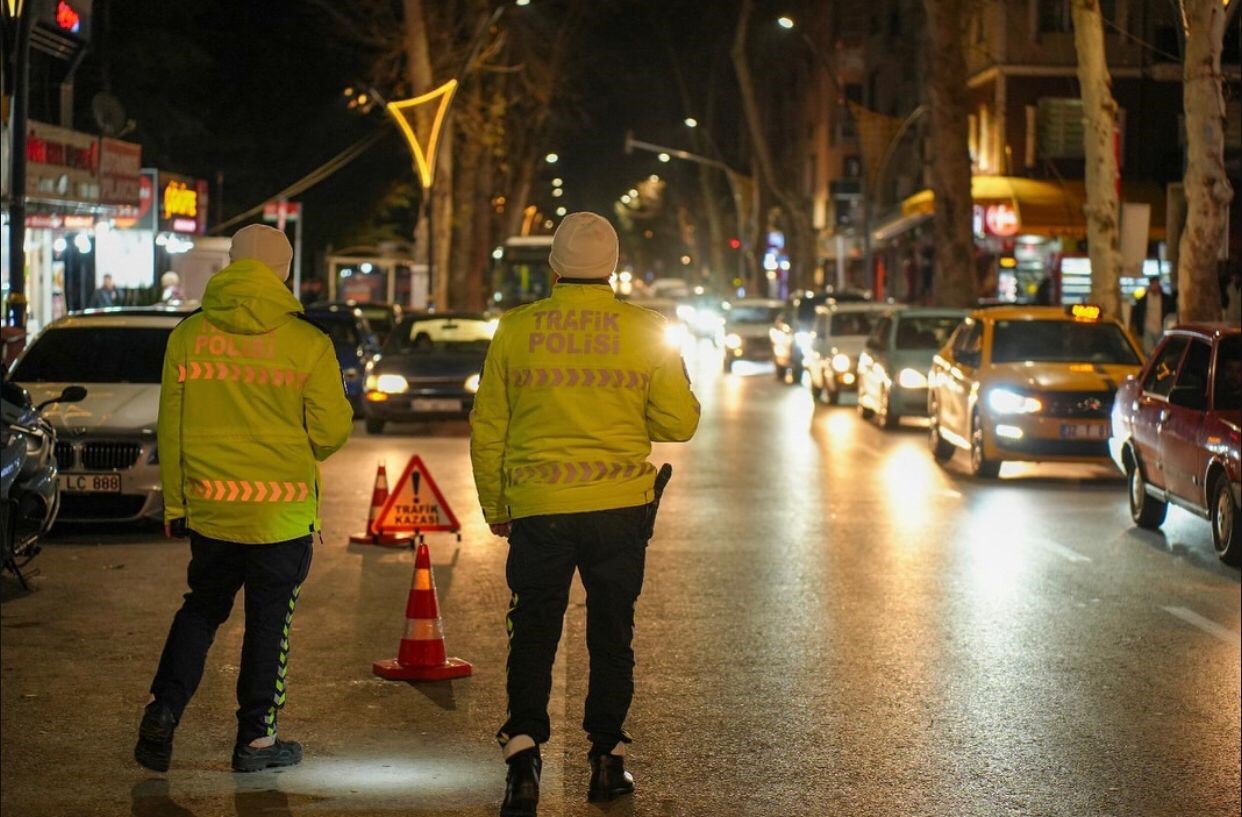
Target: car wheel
pixel 885 416
pixel 1146 511
pixel 375 425
pixel 941 449
pixel 980 465
pixel 1225 526
pixel 863 411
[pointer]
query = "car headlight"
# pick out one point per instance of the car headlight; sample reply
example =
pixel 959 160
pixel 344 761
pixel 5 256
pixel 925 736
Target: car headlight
pixel 674 334
pixel 391 384
pixel 472 384
pixel 803 339
pixel 840 362
pixel 733 340
pixel 1005 401
pixel 912 379
pixel 685 312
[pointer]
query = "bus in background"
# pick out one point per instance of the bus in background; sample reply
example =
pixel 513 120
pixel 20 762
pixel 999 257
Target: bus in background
pixel 521 273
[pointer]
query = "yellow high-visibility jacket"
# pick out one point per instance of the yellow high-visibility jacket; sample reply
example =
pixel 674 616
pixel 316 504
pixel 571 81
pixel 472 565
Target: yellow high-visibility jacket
pixel 574 390
pixel 250 401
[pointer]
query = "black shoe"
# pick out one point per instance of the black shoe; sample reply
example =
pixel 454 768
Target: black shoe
pixel 609 779
pixel 522 784
pixel 155 737
pixel 280 753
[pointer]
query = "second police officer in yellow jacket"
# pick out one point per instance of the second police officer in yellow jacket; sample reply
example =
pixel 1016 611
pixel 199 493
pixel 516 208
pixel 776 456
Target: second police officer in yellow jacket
pixel 574 390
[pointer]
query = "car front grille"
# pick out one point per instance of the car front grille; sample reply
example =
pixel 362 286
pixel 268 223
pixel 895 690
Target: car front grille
pixel 66 456
pixel 1079 404
pixel 109 456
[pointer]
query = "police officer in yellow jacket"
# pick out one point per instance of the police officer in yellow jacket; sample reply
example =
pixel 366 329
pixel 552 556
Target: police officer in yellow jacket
pixel 251 400
pixel 574 390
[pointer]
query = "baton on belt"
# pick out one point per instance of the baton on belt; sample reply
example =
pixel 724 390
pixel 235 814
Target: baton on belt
pixel 661 482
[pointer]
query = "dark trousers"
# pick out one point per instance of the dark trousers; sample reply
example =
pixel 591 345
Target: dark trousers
pixel 608 548
pixel 272 576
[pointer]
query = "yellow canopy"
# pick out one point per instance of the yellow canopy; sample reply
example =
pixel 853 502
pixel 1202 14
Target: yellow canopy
pixel 1046 207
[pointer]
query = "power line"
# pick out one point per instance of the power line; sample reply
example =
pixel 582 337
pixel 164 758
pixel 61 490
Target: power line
pixel 311 179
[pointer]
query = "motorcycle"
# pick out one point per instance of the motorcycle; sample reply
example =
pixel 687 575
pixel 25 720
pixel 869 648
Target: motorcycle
pixel 29 488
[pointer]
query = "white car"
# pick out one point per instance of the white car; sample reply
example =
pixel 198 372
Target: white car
pixel 838 338
pixel 747 322
pixel 105 449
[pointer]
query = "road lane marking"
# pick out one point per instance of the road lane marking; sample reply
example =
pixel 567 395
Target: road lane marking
pixel 1068 554
pixel 1205 624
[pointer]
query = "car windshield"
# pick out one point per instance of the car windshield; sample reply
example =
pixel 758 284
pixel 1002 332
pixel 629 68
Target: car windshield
pixel 424 335
pixel 925 332
pixel 745 313
pixel 1229 374
pixel 89 354
pixel 379 317
pixel 340 326
pixel 1061 342
pixel 851 323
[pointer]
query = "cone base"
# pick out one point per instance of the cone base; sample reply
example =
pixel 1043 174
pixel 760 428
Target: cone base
pixel 382 539
pixel 391 670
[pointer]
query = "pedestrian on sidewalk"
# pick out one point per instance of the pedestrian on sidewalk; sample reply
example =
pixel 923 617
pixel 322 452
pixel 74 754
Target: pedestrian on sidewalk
pixel 574 390
pixel 251 400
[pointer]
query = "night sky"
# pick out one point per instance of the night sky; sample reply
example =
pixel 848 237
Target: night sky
pixel 254 90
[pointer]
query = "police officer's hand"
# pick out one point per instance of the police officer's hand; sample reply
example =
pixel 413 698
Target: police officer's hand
pixel 502 529
pixel 168 534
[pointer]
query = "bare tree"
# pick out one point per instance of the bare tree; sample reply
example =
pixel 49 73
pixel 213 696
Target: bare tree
pixel 801 244
pixel 1100 121
pixel 955 283
pixel 1208 191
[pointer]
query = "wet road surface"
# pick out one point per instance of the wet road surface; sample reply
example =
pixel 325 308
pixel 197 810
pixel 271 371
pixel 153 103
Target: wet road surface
pixel 831 625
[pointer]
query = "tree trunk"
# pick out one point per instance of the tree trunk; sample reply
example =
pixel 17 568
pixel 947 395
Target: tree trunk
pixel 462 274
pixel 1099 145
pixel 796 213
pixel 1207 188
pixel 954 283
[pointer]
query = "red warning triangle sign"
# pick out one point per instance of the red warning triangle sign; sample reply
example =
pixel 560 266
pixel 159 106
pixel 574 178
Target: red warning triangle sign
pixel 416 504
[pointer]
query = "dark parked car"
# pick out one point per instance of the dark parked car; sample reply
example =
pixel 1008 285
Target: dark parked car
pixel 356 345
pixel 381 316
pixel 1175 432
pixel 429 369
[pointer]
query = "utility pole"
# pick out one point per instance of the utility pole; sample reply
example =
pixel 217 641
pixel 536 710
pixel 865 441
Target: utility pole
pixel 15 309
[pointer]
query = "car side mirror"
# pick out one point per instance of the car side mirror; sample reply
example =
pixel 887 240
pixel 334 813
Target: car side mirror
pixel 1188 397
pixel 71 394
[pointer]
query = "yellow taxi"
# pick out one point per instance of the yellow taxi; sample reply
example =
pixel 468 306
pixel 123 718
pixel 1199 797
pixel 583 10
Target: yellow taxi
pixel 1028 383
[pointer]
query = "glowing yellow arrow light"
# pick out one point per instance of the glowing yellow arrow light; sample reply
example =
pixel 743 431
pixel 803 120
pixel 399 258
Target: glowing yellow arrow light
pixel 403 112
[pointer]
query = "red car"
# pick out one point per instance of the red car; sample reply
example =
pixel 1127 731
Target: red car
pixel 1175 432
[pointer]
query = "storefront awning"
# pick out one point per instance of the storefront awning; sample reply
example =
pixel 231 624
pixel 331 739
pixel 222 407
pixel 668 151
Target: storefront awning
pixel 1046 208
pixel 897 226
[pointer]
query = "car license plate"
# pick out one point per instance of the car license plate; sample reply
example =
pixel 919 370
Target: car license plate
pixel 91 483
pixel 421 404
pixel 1084 431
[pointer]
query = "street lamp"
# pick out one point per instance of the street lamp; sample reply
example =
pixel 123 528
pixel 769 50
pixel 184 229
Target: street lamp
pixel 785 22
pixel 691 122
pixel 551 158
pixel 557 182
pixel 664 157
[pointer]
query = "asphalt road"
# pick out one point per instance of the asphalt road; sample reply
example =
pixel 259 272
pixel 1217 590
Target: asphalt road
pixel 831 625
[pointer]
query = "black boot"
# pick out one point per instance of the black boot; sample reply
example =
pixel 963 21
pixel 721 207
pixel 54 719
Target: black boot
pixel 522 784
pixel 155 737
pixel 280 753
pixel 609 779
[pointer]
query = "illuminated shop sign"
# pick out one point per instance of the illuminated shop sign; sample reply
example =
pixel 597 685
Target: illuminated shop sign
pixel 999 219
pixel 183 204
pixel 71 18
pixel 62 165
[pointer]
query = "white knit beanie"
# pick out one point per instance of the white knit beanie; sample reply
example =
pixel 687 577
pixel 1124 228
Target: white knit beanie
pixel 264 244
pixel 584 246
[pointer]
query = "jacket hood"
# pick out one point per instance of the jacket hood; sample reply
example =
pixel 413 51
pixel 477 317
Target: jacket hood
pixel 247 298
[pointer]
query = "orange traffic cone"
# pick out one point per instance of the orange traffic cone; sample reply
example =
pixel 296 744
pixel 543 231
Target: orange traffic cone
pixel 421 656
pixel 379 495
